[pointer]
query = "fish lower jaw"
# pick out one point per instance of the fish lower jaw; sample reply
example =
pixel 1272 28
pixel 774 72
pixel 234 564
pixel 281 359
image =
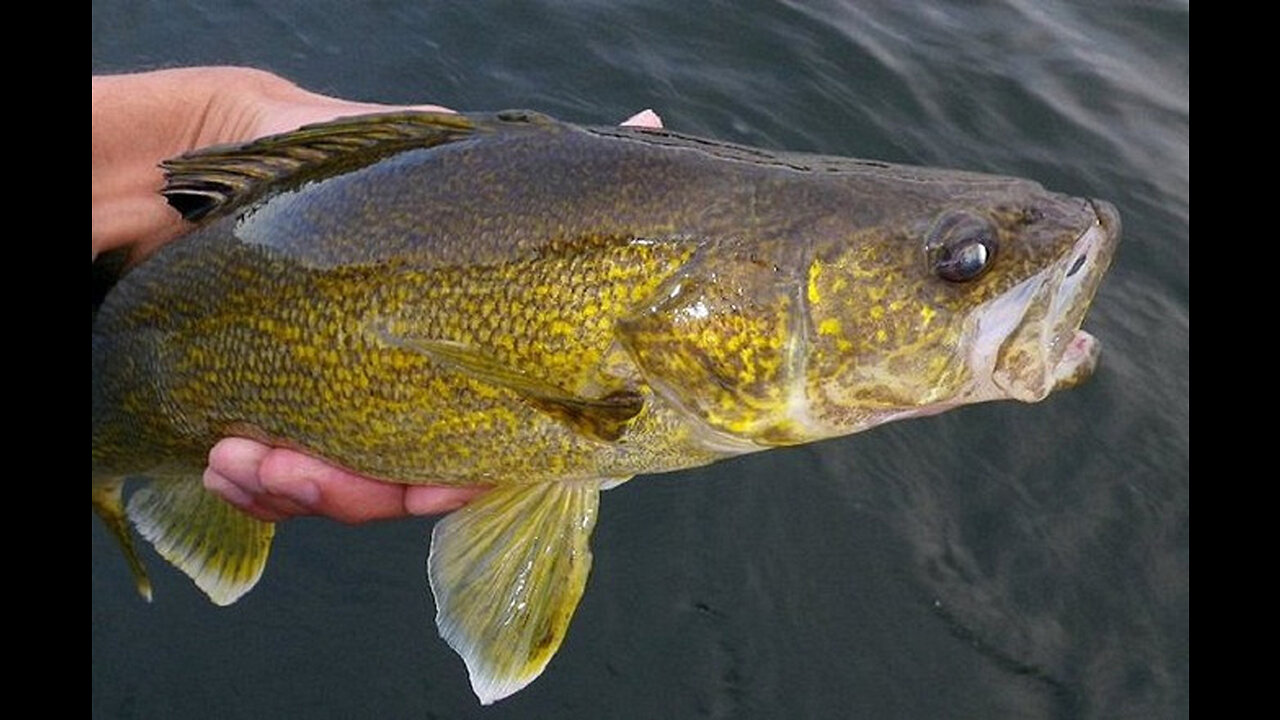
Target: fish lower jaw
pixel 1076 360
pixel 1079 360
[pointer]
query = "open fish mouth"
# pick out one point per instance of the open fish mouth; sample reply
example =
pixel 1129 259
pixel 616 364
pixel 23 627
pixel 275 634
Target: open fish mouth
pixel 1042 347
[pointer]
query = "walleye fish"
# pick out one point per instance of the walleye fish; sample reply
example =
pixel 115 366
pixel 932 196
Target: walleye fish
pixel 548 309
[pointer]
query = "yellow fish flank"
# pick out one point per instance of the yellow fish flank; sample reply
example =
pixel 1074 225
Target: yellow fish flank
pixel 550 310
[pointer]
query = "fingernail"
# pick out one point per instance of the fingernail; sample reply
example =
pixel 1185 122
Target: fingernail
pixel 645 118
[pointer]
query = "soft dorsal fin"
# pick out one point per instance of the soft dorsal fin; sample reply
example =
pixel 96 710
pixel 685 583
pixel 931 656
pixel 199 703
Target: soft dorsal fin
pixel 210 181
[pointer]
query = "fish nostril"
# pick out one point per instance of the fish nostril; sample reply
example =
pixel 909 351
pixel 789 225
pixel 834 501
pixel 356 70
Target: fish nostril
pixel 1079 263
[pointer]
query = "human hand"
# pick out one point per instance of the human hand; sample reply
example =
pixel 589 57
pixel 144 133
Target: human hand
pixel 142 119
pixel 275 483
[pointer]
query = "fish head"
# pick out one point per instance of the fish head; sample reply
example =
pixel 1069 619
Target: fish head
pixel 981 299
pixel 956 289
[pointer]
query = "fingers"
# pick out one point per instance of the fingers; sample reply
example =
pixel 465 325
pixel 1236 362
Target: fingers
pixel 295 107
pixel 334 493
pixel 436 500
pixel 274 484
pixel 233 475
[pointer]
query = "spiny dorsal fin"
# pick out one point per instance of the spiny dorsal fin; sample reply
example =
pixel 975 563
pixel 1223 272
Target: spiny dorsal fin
pixel 217 179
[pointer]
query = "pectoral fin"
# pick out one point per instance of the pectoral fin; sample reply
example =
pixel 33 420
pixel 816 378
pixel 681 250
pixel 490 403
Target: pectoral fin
pixel 220 548
pixel 603 418
pixel 507 572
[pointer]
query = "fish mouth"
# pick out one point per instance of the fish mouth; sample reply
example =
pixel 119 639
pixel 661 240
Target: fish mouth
pixel 1037 325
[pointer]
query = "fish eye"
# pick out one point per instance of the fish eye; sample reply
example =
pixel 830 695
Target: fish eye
pixel 961 247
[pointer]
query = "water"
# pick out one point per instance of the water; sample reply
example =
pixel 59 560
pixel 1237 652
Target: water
pixel 1006 560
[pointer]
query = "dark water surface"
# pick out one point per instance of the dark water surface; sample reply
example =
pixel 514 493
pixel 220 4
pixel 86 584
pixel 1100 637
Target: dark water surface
pixel 998 561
